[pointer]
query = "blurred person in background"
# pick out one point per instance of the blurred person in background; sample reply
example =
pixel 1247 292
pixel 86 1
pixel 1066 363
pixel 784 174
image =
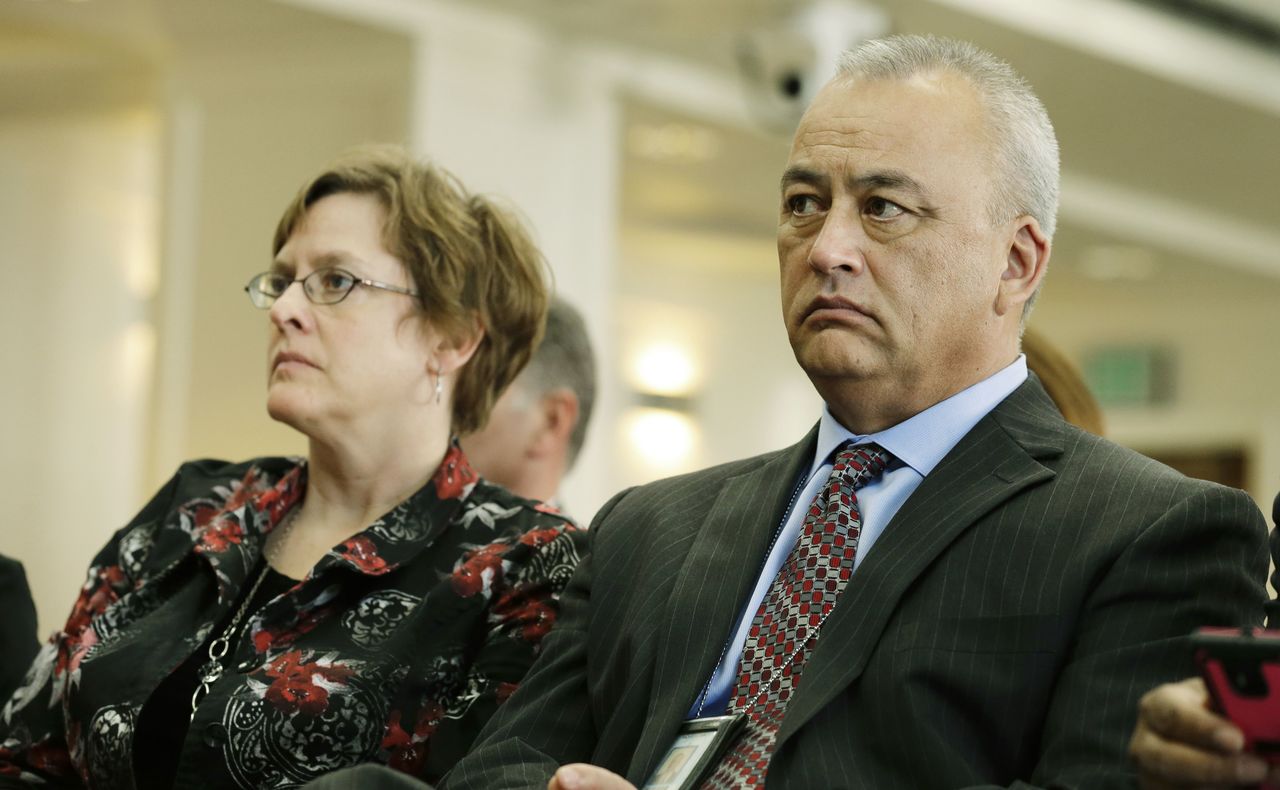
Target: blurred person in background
pixel 1181 742
pixel 1063 382
pixel 537 427
pixel 259 624
pixel 18 642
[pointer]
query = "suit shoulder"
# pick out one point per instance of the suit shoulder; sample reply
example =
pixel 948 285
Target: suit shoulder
pixel 1101 460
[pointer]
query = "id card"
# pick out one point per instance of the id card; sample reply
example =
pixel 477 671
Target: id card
pixel 698 747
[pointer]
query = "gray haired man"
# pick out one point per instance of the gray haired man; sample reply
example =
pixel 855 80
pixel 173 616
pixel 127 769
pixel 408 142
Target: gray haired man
pixel 537 427
pixel 944 584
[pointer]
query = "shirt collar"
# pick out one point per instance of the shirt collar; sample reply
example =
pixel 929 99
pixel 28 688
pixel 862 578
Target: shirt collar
pixel 922 441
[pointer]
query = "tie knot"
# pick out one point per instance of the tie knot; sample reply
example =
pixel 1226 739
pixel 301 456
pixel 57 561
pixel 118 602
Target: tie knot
pixel 861 463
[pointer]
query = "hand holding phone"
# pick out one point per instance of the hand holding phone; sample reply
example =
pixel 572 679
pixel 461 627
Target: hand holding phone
pixel 1241 669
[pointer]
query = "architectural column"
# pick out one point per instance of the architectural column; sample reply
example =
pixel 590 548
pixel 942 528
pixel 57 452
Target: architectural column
pixel 517 114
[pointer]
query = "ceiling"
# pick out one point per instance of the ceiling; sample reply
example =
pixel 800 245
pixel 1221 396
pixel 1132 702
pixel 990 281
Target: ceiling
pixel 1195 172
pixel 1265 10
pixel 1149 136
pixel 60 55
pixel 1257 18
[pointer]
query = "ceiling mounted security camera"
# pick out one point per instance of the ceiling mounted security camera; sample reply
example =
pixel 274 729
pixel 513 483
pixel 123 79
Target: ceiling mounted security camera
pixel 784 64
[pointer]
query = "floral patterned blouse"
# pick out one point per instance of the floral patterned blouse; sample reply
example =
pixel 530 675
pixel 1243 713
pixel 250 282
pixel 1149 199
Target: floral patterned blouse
pixel 396 648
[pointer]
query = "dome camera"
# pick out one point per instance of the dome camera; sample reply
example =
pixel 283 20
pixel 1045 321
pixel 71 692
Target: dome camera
pixel 783 65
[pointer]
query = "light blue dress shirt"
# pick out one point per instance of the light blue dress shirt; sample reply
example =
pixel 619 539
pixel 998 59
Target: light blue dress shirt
pixel 918 443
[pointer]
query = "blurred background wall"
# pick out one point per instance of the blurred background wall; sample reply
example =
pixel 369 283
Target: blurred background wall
pixel 147 148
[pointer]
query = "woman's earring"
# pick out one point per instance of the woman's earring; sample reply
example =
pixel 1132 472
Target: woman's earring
pixel 439 386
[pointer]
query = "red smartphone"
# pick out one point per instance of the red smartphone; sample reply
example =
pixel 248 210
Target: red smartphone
pixel 1241 667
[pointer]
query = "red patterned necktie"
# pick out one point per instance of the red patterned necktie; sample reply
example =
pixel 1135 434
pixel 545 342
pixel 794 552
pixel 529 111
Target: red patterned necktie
pixel 785 628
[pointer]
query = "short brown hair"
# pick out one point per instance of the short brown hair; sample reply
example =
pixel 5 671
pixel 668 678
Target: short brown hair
pixel 468 257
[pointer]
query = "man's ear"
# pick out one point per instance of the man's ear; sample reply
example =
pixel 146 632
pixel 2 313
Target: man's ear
pixel 1027 261
pixel 559 411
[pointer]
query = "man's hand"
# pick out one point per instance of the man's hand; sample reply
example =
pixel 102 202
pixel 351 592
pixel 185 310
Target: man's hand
pixel 1179 742
pixel 580 776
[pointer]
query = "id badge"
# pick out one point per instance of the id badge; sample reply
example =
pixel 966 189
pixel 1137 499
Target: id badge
pixel 698 747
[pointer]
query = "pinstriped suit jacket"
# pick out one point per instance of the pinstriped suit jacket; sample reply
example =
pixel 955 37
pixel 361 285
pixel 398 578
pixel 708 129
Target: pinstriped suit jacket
pixel 999 633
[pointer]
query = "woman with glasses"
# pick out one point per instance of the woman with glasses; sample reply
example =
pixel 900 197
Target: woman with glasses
pixel 262 623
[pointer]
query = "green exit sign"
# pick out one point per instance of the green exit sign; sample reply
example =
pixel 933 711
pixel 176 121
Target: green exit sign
pixel 1131 375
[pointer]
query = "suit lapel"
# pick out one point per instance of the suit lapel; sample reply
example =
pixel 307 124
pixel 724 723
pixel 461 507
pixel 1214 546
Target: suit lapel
pixel 992 463
pixel 714 583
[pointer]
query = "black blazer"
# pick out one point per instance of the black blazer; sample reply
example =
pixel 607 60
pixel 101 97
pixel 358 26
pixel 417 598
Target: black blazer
pixel 18 643
pixel 395 649
pixel 999 632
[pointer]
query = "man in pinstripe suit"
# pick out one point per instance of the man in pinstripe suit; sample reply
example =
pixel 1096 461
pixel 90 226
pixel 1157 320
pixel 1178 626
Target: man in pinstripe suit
pixel 1018 583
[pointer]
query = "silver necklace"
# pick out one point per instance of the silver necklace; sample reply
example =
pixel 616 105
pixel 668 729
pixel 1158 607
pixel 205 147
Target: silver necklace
pixel 271 548
pixel 213 669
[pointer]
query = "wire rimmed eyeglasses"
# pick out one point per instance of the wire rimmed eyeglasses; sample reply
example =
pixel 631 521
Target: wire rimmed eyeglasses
pixel 323 286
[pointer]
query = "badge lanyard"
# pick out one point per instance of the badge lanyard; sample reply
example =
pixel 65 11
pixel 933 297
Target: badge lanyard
pixel 777 533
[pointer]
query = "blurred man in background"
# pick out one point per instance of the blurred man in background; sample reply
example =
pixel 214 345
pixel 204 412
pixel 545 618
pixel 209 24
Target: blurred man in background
pixel 537 427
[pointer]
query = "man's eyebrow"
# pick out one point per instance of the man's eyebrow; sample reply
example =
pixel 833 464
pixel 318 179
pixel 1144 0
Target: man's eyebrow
pixel 883 179
pixel 888 179
pixel 797 174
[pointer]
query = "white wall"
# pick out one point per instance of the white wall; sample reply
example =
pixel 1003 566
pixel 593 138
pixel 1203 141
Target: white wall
pixel 78 229
pixel 718 299
pixel 1223 329
pixel 126 238
pixel 535 123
